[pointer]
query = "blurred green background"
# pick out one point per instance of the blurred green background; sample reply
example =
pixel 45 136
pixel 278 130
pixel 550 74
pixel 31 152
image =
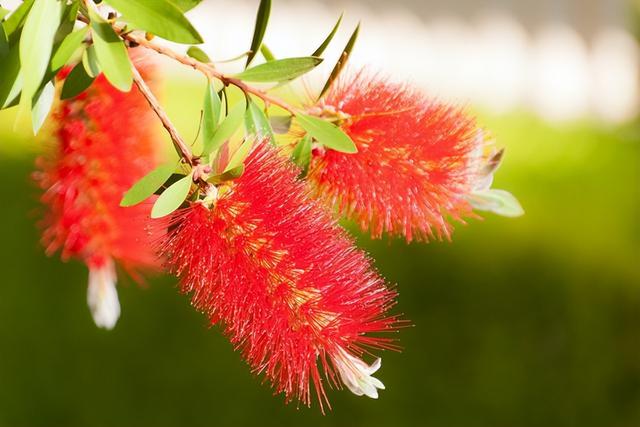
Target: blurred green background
pixel 519 322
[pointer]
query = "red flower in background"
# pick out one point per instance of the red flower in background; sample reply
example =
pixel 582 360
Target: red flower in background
pixel 417 159
pixel 103 142
pixel 287 284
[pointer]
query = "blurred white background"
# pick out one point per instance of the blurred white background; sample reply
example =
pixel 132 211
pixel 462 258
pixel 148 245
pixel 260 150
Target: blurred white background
pixel 564 59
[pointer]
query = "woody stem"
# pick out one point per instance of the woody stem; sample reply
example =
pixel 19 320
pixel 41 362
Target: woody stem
pixel 181 147
pixel 206 69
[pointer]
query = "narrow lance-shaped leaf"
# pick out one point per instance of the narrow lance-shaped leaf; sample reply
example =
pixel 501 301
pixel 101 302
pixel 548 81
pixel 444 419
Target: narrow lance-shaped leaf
pixel 147 185
pixel 4 43
pixel 111 53
pixel 160 17
pixel 11 81
pixel 36 44
pixel 266 53
pixel 280 124
pixel 256 122
pixel 497 201
pixel 211 114
pixel 280 69
pixel 90 61
pixel 68 47
pixel 262 19
pixel 320 50
pixel 301 154
pixel 186 5
pixel 326 133
pixel 240 155
pixel 76 82
pixel 172 197
pixel 198 54
pixel 226 129
pixel 16 20
pixel 42 102
pixel 344 57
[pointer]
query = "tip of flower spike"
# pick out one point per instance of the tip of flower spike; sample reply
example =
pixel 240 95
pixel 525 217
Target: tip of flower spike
pixel 102 296
pixel 357 375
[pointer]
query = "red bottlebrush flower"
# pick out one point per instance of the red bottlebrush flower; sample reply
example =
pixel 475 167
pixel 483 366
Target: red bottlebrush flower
pixel 287 284
pixel 416 163
pixel 104 141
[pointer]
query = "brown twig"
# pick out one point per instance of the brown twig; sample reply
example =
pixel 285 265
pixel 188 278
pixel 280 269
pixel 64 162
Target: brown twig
pixel 206 69
pixel 181 147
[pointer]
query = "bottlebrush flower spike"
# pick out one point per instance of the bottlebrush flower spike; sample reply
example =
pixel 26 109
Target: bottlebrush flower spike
pixel 416 164
pixel 103 142
pixel 287 284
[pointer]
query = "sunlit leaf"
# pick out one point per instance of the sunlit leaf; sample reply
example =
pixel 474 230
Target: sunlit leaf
pixel 301 154
pixel 36 44
pixel 186 5
pixel 90 62
pixel 198 54
pixel 262 19
pixel 326 133
pixel 497 201
pixel 16 20
pixel 266 53
pixel 238 158
pixel 111 53
pixel 172 197
pixel 256 122
pixel 227 128
pixel 147 185
pixel 68 47
pixel 159 17
pixel 42 102
pixel 211 114
pixel 76 82
pixel 279 69
pixel 320 50
pixel 344 57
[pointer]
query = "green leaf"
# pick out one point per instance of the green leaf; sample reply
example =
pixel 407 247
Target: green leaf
pixel 279 69
pixel 68 47
pixel 11 81
pixel 42 102
pixel 262 19
pixel 90 62
pixel 111 53
pixel 497 201
pixel 76 82
pixel 198 54
pixel 4 43
pixel 159 17
pixel 172 197
pixel 147 185
pixel 36 44
pixel 16 20
pixel 344 57
pixel 240 155
pixel 186 5
pixel 301 155
pixel 256 123
pixel 326 133
pixel 225 131
pixel 266 53
pixel 227 176
pixel 320 50
pixel 3 12
pixel 211 114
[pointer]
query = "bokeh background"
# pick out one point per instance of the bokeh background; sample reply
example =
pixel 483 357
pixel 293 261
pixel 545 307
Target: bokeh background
pixel 518 322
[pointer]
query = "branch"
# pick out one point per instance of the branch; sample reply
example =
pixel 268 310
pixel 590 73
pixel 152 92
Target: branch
pixel 181 147
pixel 206 69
